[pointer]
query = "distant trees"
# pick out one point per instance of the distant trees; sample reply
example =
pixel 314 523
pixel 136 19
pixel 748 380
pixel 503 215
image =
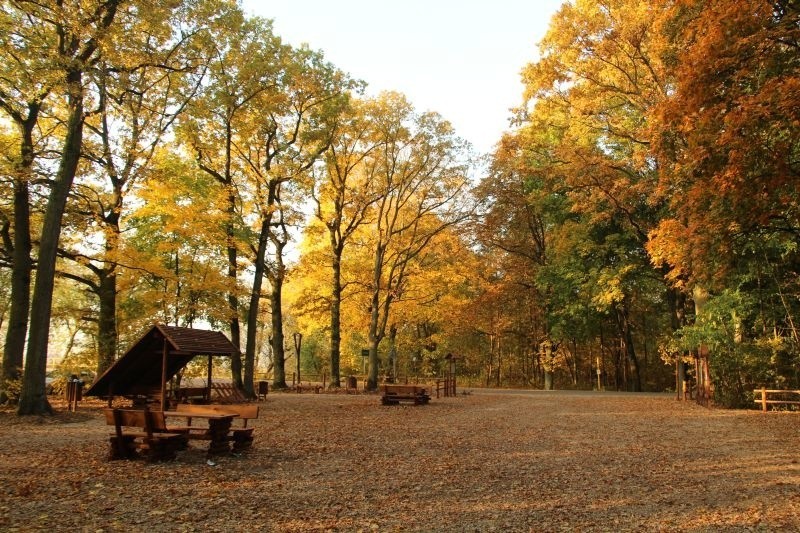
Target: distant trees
pixel 650 168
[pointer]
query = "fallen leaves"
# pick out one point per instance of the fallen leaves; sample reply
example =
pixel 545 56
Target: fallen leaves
pixel 485 462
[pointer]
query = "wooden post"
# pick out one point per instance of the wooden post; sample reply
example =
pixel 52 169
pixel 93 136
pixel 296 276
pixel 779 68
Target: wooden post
pixel 298 339
pixel 208 380
pixel 764 399
pixel 164 377
pixel 599 374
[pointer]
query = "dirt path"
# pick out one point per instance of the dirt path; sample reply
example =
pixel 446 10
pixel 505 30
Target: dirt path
pixel 482 462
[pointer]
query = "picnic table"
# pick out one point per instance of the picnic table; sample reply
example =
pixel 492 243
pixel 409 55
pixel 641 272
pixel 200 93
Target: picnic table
pixel 241 436
pixel 216 431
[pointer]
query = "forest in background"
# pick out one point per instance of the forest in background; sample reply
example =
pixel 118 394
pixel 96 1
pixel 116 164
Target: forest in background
pixel 176 162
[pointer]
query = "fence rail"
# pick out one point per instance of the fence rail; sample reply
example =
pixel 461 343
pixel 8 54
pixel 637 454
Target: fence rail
pixel 765 400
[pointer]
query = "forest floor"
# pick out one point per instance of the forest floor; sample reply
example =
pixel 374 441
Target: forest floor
pixel 487 461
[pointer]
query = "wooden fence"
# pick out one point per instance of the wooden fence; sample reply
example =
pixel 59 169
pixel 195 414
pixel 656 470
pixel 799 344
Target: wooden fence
pixel 775 397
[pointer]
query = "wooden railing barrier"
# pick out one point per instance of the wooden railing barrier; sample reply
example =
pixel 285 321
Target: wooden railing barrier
pixel 765 400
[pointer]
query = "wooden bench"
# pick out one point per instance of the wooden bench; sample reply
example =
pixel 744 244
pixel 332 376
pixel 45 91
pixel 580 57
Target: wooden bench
pixel 779 397
pixel 394 394
pixel 142 433
pixel 192 394
pixel 241 436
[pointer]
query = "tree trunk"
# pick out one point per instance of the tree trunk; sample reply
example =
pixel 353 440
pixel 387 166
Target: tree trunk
pixel 628 349
pixel 107 321
pixel 375 338
pixel 499 363
pixel 336 307
pixel 549 357
pixel 490 365
pixel 376 332
pixel 277 275
pixel 392 360
pixel 21 268
pixel 33 400
pixel 704 386
pixel 677 302
pixel 275 301
pixel 279 382
pixel 21 262
pixel 233 282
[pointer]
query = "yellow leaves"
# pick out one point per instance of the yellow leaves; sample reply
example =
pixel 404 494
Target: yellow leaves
pixel 610 287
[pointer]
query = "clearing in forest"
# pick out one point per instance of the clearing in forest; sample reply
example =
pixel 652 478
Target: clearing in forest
pixel 492 460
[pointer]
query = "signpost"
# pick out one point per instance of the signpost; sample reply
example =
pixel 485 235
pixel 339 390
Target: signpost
pixel 298 340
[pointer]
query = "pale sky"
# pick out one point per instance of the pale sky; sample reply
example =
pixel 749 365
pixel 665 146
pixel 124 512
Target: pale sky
pixel 460 58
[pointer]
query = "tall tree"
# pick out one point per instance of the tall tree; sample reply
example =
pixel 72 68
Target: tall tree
pixel 245 74
pixel 140 86
pixel 23 91
pixel 289 135
pixel 342 197
pixel 172 266
pixel 75 39
pixel 423 187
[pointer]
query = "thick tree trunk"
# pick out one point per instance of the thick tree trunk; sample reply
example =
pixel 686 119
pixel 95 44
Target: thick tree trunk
pixel 233 282
pixel 374 363
pixel 704 385
pixel 548 356
pixel 21 267
pixel 255 302
pixel 391 371
pixel 34 399
pixel 107 321
pixel 275 301
pixel 677 302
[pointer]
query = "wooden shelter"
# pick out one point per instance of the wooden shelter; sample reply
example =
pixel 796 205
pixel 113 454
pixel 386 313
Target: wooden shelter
pixel 156 358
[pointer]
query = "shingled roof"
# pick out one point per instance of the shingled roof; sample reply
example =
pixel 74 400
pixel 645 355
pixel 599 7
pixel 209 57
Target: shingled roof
pixel 138 372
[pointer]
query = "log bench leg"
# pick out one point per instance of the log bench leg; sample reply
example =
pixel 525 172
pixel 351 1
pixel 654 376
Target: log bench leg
pixel 122 447
pixel 242 439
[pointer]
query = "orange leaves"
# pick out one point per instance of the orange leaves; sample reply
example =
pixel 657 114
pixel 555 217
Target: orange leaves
pixel 731 164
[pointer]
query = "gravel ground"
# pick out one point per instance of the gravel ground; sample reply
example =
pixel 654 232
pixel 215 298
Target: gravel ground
pixel 486 461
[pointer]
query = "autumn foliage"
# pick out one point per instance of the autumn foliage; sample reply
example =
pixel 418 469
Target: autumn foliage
pixel 635 229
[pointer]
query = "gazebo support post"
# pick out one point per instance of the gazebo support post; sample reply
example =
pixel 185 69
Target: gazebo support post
pixel 208 383
pixel 164 377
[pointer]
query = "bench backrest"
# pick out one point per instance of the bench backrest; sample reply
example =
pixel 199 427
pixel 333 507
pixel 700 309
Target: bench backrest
pixel 404 389
pixel 243 411
pixel 192 392
pixel 145 419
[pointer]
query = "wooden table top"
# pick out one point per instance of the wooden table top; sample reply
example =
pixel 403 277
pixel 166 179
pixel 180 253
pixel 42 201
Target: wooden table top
pixel 200 414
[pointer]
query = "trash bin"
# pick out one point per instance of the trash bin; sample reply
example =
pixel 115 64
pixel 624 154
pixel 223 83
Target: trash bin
pixel 352 382
pixel 263 389
pixel 74 393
